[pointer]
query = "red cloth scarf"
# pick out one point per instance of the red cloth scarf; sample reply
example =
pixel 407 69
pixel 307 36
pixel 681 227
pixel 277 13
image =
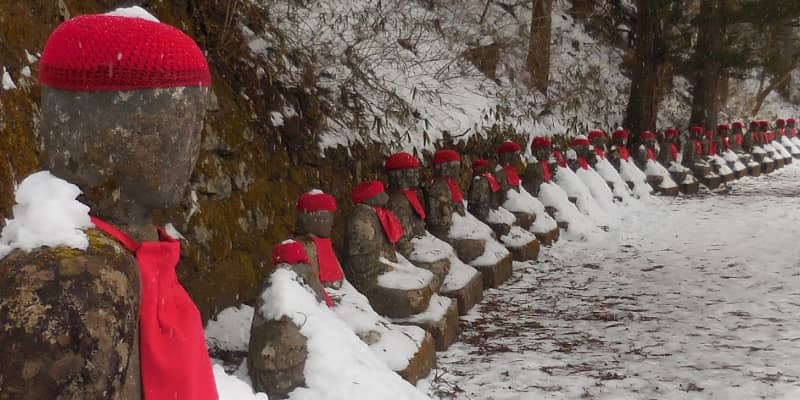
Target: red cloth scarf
pixel 738 139
pixel 792 132
pixel 698 147
pixel 492 182
pixel 173 357
pixel 329 268
pixel 455 190
pixel 756 138
pixel 411 196
pixel 391 226
pixel 726 142
pixel 546 171
pixel 779 132
pixel 623 153
pixel 673 150
pixel 651 155
pixel 582 162
pixel 562 162
pixel 512 177
pixel 600 153
pixel 712 149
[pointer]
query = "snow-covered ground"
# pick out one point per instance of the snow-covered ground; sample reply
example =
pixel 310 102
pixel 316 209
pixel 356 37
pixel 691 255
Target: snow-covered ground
pixel 693 298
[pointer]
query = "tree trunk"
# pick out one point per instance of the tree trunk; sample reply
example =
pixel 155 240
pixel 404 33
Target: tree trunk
pixel 644 98
pixel 705 102
pixel 538 60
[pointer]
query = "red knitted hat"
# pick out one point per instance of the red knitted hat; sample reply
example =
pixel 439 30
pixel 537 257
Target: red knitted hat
pixel 480 163
pixel 540 142
pixel 102 52
pixel 723 127
pixel 791 120
pixel 580 140
pixel 508 147
pixel 596 133
pixel 316 200
pixel 366 190
pixel 754 124
pixel 445 155
pixel 763 124
pixel 289 252
pixel 620 134
pixel 648 135
pixel 672 132
pixel 696 129
pixel 709 134
pixel 737 125
pixel 780 123
pixel 401 160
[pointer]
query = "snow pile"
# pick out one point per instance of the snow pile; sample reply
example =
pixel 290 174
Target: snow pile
pixel 47 214
pixel 6 81
pixel 133 12
pixel 631 173
pixel 790 146
pixel 403 275
pixel 598 188
pixel 394 345
pixel 579 226
pixel 733 159
pixel 469 227
pixel 517 237
pixel 780 150
pixel 235 387
pixel 339 365
pixel 574 187
pixel 654 168
pixel 230 329
pixel 429 248
pixel 609 174
pixel 436 311
pixel 501 215
pixel 722 165
pixel 523 201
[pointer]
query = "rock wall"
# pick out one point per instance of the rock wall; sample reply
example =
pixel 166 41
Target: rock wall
pixel 251 169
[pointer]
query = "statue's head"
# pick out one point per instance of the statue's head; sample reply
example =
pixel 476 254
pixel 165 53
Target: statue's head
pixel 403 170
pixel 123 103
pixel 737 127
pixel 790 122
pixel 648 139
pixel 447 163
pixel 780 123
pixel 480 166
pixel 315 214
pixel 580 144
pixel 371 193
pixel 508 153
pixel 723 130
pixel 671 135
pixel 697 132
pixel 597 138
pixel 763 126
pixel 541 147
pixel 620 137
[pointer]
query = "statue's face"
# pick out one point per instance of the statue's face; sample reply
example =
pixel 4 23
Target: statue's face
pixel 620 141
pixel 737 130
pixel 136 146
pixel 542 153
pixel 404 178
pixel 581 149
pixel 450 169
pixel 650 142
pixel 379 200
pixel 514 158
pixel 317 223
pixel 724 133
pixel 790 124
pixel 598 142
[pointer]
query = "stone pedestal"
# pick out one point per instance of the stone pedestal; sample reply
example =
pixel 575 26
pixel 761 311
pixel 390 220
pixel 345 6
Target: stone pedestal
pixel 754 170
pixel 712 182
pixel 547 239
pixel 767 167
pixel 690 188
pixel 466 296
pixel 422 363
pixel 527 252
pixel 779 163
pixel 497 273
pixel 440 321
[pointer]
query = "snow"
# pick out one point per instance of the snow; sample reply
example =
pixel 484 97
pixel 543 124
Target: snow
pixel 331 345
pixel 429 248
pixel 230 329
pixel 46 214
pixel 580 226
pixel 598 188
pixel 501 215
pixel 656 169
pixel 403 275
pixel 133 12
pixel 232 387
pixel 790 146
pixel 517 237
pixel 469 227
pixel 7 82
pixel 631 173
pixel 459 275
pixel 522 201
pixel 436 311
pixel 25 71
pixel 695 299
pixel 393 344
pixel 732 158
pixel 609 174
pixel 574 187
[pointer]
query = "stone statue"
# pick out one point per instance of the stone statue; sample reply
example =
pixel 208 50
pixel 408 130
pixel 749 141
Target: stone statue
pixel 484 198
pixel 693 158
pixel 473 241
pixel 737 145
pixel 647 160
pixel 670 158
pixel 599 161
pixel 725 148
pixel 784 139
pixel 129 140
pixel 753 144
pixel 619 156
pixel 453 278
pixel 718 164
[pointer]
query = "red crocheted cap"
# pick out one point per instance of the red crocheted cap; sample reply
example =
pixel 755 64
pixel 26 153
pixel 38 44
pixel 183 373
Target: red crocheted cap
pixel 366 190
pixel 508 147
pixel 102 52
pixel 791 120
pixel 482 163
pixel 596 133
pixel 672 132
pixel 763 124
pixel 401 160
pixel 737 125
pixel 445 155
pixel 754 124
pixel 540 142
pixel 648 135
pixel 709 134
pixel 697 129
pixel 580 140
pixel 289 252
pixel 723 127
pixel 620 134
pixel 315 200
pixel 780 123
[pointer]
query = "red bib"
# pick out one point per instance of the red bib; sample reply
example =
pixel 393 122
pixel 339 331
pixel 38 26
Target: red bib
pixel 623 153
pixel 712 149
pixel 738 138
pixel 562 162
pixel 172 347
pixel 455 190
pixel 698 148
pixel 756 138
pixel 600 153
pixel 512 177
pixel 546 171
pixel 673 150
pixel 329 268
pixel 493 185
pixel 792 132
pixel 651 155
pixel 726 142
pixel 582 162
pixel 411 196
pixel 391 226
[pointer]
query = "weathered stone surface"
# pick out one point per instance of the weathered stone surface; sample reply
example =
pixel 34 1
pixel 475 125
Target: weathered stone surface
pixel 444 330
pixel 547 239
pixel 469 295
pixel 527 252
pixel 468 249
pixel 494 275
pixel 423 361
pixel 69 323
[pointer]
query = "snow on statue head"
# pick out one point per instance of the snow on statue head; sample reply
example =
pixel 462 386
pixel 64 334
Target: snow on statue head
pixel 123 104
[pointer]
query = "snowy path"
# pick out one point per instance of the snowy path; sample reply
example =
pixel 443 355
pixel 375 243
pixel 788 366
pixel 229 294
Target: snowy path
pixel 699 299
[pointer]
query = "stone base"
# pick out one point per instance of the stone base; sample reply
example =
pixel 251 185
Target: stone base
pixel 467 296
pixel 727 177
pixel 712 182
pixel 528 252
pixel 754 170
pixel 669 191
pixel 779 163
pixel 767 167
pixel 787 161
pixel 422 363
pixel 547 239
pixel 397 303
pixel 496 274
pixel 690 188
pixel 444 329
pixel 741 174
